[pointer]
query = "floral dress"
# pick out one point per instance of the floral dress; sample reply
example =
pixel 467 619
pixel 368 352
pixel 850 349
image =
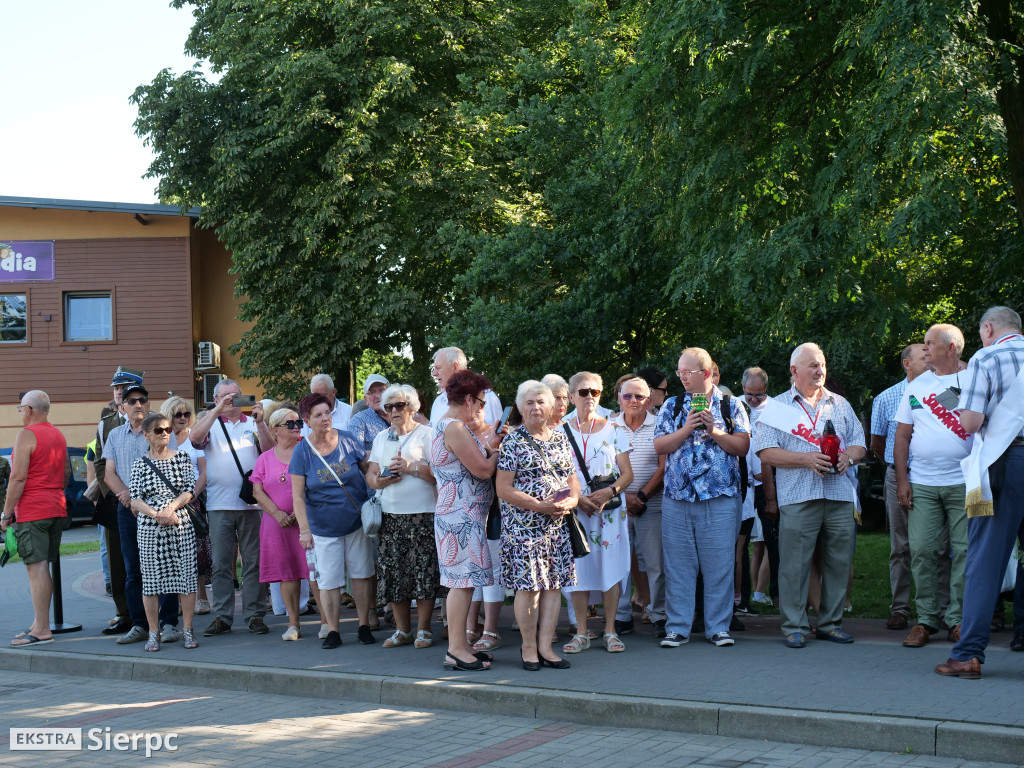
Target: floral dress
pixel 460 517
pixel 608 531
pixel 536 552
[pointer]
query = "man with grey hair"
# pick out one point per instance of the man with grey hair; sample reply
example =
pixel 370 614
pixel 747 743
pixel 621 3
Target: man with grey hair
pixel 762 480
pixel 232 445
pixel 816 501
pixel 992 408
pixel 930 444
pixel 447 361
pixel 883 438
pixel 35 505
pixel 341 411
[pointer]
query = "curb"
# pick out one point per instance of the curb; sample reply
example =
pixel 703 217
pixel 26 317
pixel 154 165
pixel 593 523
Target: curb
pixel 943 738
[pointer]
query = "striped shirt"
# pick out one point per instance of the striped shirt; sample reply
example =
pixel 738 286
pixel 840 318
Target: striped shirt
pixel 796 485
pixel 883 416
pixel 642 456
pixel 991 371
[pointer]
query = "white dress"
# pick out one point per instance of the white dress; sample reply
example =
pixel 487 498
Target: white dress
pixel 607 531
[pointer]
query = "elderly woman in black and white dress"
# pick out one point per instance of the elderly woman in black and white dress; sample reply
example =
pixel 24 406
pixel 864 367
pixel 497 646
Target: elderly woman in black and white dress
pixel 167 541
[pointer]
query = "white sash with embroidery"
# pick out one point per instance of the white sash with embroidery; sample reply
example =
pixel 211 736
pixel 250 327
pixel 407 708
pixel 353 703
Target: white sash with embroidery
pixel 792 421
pixel 989 444
pixel 924 391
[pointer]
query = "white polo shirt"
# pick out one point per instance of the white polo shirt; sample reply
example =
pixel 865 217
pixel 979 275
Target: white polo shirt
pixel 223 480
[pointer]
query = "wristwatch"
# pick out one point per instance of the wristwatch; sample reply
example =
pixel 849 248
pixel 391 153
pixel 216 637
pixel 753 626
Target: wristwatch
pixel 642 496
pixel 416 471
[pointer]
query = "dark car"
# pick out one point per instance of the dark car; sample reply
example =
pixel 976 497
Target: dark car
pixel 79 508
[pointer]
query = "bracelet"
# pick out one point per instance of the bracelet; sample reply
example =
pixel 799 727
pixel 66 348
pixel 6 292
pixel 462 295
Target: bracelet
pixel 302 532
pixel 642 496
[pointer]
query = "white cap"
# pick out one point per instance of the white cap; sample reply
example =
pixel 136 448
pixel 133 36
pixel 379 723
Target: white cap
pixel 374 378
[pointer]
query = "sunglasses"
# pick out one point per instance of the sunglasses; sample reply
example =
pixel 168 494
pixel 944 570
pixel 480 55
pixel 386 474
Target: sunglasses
pixel 588 392
pixel 389 407
pixel 139 400
pixel 162 430
pixel 291 424
pixel 633 396
pixel 183 415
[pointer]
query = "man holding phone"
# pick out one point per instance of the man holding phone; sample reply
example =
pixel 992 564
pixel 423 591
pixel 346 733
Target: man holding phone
pixel 232 445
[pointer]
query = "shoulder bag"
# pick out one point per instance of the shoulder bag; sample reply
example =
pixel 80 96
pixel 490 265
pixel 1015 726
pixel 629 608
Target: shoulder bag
pixel 599 482
pixel 577 534
pixel 370 513
pixel 245 494
pixel 199 521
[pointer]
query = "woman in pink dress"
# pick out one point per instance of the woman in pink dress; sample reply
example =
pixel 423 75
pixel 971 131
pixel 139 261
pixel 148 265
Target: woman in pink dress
pixel 463 467
pixel 282 558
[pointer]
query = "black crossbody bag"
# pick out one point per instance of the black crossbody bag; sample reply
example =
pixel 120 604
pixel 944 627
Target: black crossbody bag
pixel 200 523
pixel 599 482
pixel 577 533
pixel 245 494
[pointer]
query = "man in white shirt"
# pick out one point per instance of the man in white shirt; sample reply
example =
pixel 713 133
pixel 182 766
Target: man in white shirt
pixel 232 520
pixel 340 412
pixel 931 440
pixel 447 361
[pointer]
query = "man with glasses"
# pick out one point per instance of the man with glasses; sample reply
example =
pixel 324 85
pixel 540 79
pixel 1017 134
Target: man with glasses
pixel 755 394
pixel 701 502
pixel 35 504
pixel 366 424
pixel 883 440
pixel 122 447
pixel 816 500
pixel 106 506
pixel 447 361
pixel 231 443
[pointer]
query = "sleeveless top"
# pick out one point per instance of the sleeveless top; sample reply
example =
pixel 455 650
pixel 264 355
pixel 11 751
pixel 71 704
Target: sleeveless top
pixel 43 496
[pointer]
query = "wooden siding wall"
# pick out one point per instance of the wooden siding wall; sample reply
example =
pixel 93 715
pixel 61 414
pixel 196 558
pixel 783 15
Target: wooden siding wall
pixel 152 307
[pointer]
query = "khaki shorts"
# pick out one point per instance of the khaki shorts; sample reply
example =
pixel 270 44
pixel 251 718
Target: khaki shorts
pixel 39 540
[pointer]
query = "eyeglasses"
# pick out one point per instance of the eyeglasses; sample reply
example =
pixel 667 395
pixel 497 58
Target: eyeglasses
pixel 291 424
pixel 480 400
pixel 683 374
pixel 632 396
pixel 389 407
pixel 755 398
pixel 183 415
pixel 162 430
pixel 588 392
pixel 139 400
pixel 21 407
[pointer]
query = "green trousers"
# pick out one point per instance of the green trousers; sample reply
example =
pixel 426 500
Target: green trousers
pixel 935 507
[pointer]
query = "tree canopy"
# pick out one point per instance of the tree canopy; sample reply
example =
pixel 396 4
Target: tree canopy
pixel 586 184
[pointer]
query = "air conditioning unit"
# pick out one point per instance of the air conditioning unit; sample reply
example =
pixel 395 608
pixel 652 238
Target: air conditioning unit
pixel 208 357
pixel 210 382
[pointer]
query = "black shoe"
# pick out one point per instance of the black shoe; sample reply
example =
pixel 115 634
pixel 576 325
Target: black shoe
pixel 530 666
pixel 558 663
pixel 109 589
pixel 365 635
pixel 1017 644
pixel 257 626
pixel 310 611
pixel 736 625
pixel 217 627
pixel 624 627
pixel 118 628
pixel 745 610
pixel 333 640
pixel 659 629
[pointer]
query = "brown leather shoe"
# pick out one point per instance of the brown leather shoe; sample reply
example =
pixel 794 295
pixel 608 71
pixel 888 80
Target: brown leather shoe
pixel 954 634
pixel 896 621
pixel 917 637
pixel 966 670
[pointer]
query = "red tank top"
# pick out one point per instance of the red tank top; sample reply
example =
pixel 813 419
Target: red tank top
pixel 43 496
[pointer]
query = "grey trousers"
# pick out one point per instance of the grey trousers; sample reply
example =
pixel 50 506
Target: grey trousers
pixel 645 536
pixel 227 528
pixel 799 529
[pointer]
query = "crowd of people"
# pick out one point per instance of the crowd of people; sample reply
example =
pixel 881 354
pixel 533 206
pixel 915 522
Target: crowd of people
pixel 646 508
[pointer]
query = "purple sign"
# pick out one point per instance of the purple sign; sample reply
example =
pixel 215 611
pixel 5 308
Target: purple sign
pixel 23 261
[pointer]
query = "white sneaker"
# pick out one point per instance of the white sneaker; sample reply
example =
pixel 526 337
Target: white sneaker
pixel 292 633
pixel 324 630
pixel 169 634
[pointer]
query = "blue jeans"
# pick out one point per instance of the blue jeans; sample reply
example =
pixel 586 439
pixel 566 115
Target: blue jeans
pixel 699 536
pixel 989 543
pixel 127 527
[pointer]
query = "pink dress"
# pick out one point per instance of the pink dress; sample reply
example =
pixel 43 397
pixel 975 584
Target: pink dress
pixel 282 558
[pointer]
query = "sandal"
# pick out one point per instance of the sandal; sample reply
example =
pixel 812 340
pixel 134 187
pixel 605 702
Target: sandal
pixel 202 607
pixel 454 662
pixel 424 639
pixel 472 636
pixel 490 641
pixel 645 617
pixel 613 644
pixel 189 639
pixel 397 639
pixel 577 644
pixel 153 643
pixel 590 633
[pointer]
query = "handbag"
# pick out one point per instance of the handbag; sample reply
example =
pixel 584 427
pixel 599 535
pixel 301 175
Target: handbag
pixel 375 515
pixel 577 534
pixel 245 494
pixel 200 523
pixel 599 482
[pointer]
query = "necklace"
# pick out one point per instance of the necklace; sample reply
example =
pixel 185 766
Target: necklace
pixel 586 439
pixel 814 418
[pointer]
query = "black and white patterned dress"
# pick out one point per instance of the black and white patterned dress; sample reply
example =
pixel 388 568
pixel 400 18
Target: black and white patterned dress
pixel 536 553
pixel 167 553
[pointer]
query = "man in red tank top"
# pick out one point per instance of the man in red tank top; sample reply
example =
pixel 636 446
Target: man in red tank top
pixel 35 505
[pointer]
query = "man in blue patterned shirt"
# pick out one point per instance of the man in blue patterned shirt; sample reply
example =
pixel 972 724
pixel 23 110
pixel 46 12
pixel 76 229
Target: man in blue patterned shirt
pixel 701 504
pixel 883 435
pixel 814 500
